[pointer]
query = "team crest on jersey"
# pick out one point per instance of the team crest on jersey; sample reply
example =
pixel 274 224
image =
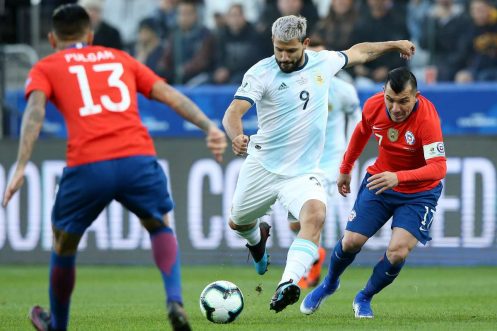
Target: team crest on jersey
pixel 352 215
pixel 393 134
pixel 319 79
pixel 410 140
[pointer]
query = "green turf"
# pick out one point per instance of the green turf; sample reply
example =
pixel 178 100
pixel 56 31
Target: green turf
pixel 131 298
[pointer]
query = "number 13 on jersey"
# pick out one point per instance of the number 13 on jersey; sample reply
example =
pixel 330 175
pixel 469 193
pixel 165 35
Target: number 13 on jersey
pixel 114 80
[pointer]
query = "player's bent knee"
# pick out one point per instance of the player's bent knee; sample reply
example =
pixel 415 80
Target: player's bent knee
pixel 152 224
pixel 397 254
pixel 240 227
pixel 352 242
pixel 65 243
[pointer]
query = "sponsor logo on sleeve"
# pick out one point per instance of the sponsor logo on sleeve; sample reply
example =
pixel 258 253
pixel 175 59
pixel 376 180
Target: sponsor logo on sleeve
pixel 245 87
pixel 436 149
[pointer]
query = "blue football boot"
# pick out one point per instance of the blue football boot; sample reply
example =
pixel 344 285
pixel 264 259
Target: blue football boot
pixel 313 300
pixel 362 306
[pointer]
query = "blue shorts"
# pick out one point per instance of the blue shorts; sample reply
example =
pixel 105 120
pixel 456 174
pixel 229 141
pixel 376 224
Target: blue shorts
pixel 411 211
pixel 138 182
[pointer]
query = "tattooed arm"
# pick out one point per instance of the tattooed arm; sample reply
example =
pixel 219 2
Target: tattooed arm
pixel 366 52
pixel 32 122
pixel 183 106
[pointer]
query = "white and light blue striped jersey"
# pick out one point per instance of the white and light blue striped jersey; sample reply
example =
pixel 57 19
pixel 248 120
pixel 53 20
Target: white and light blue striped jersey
pixel 344 112
pixel 291 111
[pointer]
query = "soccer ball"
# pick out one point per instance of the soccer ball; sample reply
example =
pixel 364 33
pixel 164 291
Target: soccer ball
pixel 221 302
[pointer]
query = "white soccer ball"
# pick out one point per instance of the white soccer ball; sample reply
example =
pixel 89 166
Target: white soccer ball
pixel 221 302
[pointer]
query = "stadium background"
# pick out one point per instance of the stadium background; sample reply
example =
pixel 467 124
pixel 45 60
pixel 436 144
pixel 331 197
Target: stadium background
pixel 464 229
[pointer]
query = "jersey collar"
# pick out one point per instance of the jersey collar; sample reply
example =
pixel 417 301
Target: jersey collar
pixel 306 59
pixel 77 45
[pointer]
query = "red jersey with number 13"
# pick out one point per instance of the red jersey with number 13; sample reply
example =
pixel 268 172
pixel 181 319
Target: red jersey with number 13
pixel 95 90
pixel 413 149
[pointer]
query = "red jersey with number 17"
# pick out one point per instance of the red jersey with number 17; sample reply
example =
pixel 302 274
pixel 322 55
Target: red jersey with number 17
pixel 413 149
pixel 95 90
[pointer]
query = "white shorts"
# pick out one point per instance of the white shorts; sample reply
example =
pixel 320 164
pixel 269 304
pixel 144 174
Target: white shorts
pixel 258 189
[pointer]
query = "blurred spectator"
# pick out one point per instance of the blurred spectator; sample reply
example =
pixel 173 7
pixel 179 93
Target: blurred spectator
pixel 219 21
pixel 443 35
pixel 165 17
pixel 190 49
pixel 237 48
pixel 275 9
pixel 214 9
pixel 125 15
pixel 336 29
pixel 483 44
pixel 417 10
pixel 379 23
pixel 105 34
pixel 148 48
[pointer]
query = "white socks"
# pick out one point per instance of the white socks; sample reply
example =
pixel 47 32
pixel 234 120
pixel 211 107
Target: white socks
pixel 300 258
pixel 253 236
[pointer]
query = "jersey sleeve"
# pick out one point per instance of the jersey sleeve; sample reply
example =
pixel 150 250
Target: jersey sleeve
pixel 336 61
pixel 144 76
pixel 430 132
pixel 252 88
pixel 38 80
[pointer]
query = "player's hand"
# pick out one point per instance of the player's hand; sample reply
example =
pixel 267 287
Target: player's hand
pixel 14 186
pixel 216 142
pixel 384 181
pixel 406 49
pixel 240 144
pixel 343 183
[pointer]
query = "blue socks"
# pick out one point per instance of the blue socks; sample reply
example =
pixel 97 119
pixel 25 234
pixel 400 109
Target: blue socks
pixel 62 279
pixel 339 261
pixel 166 257
pixel 384 273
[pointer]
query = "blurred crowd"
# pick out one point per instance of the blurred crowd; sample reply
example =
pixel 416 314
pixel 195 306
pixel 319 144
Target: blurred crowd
pixel 196 42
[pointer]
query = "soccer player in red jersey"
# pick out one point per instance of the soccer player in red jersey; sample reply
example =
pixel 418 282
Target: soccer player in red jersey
pixel 404 182
pixel 110 155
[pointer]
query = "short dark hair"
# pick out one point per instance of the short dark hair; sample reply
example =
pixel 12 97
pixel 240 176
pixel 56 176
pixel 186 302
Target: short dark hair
pixel 70 21
pixel 399 77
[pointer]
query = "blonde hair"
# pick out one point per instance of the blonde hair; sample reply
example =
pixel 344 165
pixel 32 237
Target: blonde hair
pixel 289 27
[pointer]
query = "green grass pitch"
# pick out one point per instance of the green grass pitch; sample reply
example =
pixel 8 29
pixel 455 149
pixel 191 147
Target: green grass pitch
pixel 132 298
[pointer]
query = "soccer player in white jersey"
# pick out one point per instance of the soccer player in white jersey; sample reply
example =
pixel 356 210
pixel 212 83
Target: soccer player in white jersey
pixel 344 112
pixel 290 90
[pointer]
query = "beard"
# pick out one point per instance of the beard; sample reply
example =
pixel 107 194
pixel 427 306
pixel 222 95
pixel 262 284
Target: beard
pixel 289 66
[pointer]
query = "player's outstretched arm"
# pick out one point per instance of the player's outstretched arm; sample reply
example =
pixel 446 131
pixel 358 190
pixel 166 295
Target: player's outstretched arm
pixel 366 52
pixel 181 104
pixel 232 122
pixel 32 122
